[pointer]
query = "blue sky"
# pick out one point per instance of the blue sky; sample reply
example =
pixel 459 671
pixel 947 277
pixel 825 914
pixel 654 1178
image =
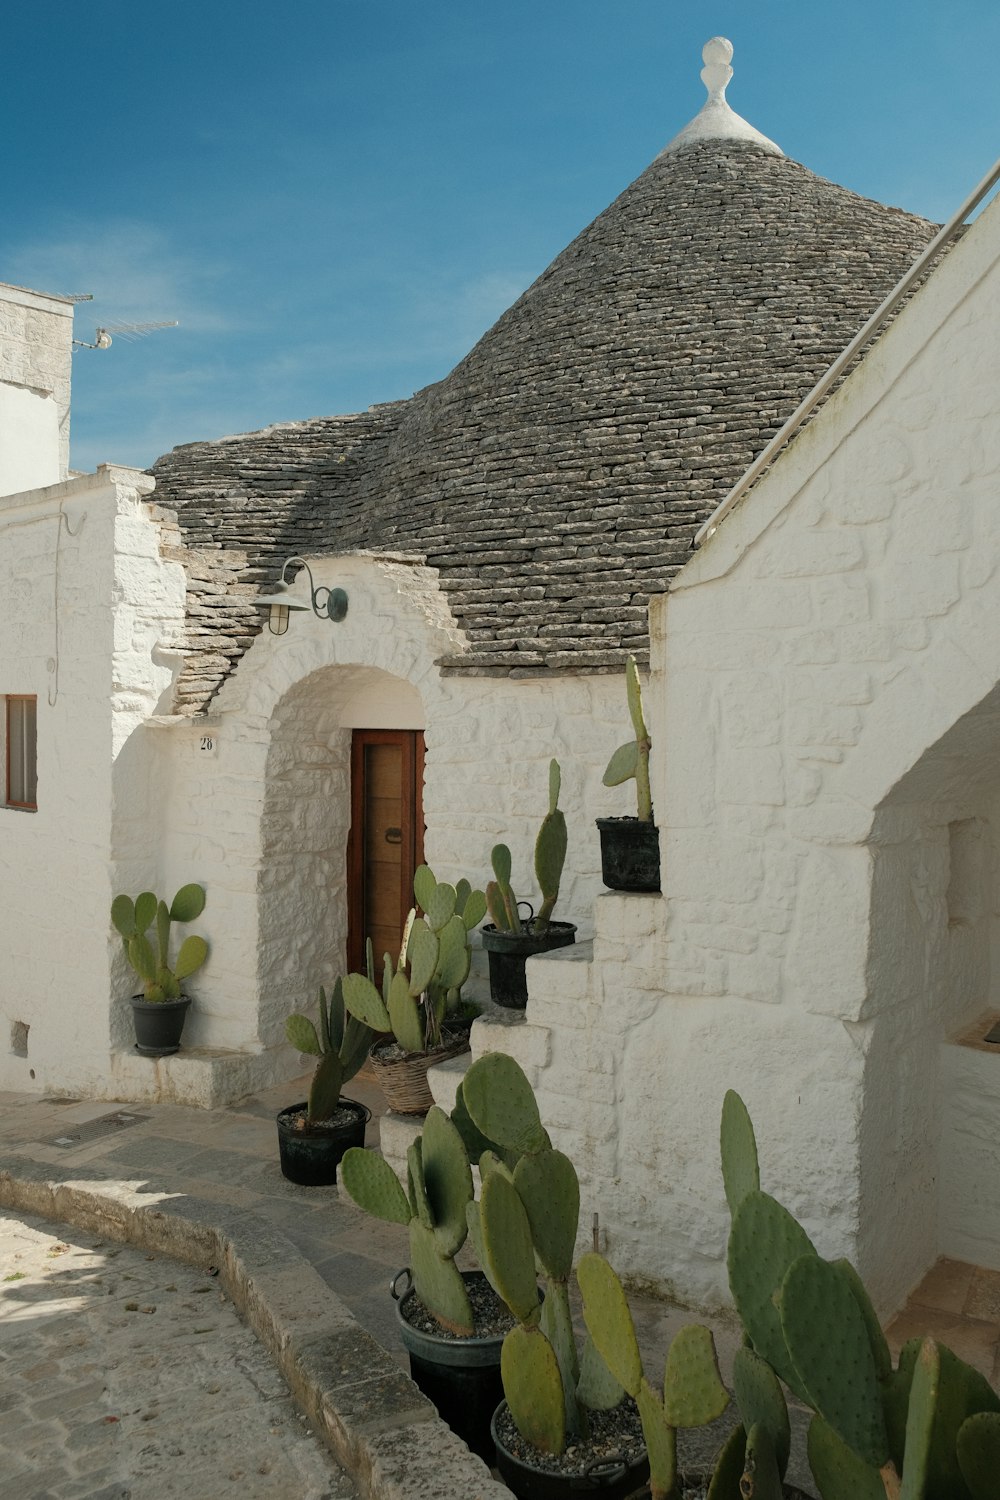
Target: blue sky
pixel 337 197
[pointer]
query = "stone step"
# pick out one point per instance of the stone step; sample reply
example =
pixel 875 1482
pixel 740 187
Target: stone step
pixel 206 1077
pixel 445 1077
pixel 627 916
pixel 396 1134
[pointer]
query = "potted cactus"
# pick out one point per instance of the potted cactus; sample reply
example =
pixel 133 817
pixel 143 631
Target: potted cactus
pixel 451 1323
pixel 159 1012
pixel 630 847
pixel 509 939
pixel 693 1393
pixel 314 1134
pixel 420 1002
pixel 928 1429
pixel 525 1224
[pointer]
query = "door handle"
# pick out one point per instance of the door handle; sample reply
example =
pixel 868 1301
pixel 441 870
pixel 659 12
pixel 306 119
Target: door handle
pixel 394 835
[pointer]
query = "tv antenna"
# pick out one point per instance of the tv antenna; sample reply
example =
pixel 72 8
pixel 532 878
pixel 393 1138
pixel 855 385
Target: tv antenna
pixel 131 332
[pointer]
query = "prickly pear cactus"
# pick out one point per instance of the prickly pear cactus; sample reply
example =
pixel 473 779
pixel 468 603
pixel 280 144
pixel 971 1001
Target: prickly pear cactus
pixel 764 1242
pixel 876 1338
pixel 473 1139
pixel 132 920
pixel 374 1186
pixel 439 1188
pixel 693 1389
pixel 550 853
pixel 761 1480
pixel 978 1450
pixel 324 1091
pixel 738 1144
pixel 609 1320
pixel 761 1402
pixel 341 1042
pixel 533 1387
pixel 961 1393
pixel 728 1471
pixel 839 1473
pixel 827 1339
pixel 501 1103
pixel 500 898
pixel 549 1188
pixel 438 1282
pixel 693 1392
pixel 507 1247
pixel 447 1180
pixel 434 962
pixel 631 761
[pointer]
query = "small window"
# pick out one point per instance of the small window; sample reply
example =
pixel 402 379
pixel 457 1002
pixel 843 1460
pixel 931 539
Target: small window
pixel 21 778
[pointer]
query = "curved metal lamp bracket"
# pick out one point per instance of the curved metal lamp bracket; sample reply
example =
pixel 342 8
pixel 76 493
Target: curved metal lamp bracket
pixel 326 604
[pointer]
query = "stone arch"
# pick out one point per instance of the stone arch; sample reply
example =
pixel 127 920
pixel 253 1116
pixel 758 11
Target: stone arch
pixel 275 941
pixel 398 622
pixel 933 969
pixel 305 821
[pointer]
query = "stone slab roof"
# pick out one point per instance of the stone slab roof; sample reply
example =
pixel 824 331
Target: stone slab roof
pixel 244 504
pixel 557 476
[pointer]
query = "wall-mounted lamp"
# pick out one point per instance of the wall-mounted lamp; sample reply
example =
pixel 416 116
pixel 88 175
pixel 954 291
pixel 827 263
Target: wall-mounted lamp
pixel 326 604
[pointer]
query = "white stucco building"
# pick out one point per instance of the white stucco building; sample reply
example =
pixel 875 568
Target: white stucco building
pixel 823 677
pixel 36 336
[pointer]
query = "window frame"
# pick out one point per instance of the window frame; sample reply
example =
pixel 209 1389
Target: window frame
pixel 10 800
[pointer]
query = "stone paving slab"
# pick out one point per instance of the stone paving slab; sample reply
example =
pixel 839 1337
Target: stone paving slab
pixel 264 1236
pixel 126 1373
pixel 306 1269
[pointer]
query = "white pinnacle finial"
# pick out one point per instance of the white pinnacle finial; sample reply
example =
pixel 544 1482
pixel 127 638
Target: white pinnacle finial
pixel 717 54
pixel 716 120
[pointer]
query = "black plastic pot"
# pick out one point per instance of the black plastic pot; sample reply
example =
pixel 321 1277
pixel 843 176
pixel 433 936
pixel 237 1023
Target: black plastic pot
pixel 611 1478
pixel 311 1156
pixel 158 1025
pixel 508 952
pixel 630 854
pixel 699 1482
pixel 460 1376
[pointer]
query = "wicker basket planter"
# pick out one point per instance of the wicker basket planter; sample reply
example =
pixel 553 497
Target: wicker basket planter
pixel 403 1080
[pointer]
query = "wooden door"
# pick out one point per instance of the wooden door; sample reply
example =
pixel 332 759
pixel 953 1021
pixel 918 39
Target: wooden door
pixel 386 843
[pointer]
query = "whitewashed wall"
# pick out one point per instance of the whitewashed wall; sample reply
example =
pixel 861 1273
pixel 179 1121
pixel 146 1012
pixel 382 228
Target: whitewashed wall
pixel 827 764
pixel 66 637
pixel 253 800
pixel 36 347
pixel 263 818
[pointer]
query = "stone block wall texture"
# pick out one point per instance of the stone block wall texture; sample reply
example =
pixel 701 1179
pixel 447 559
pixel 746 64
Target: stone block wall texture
pixel 36 350
pixel 253 800
pixel 826 700
pixel 267 816
pixel 825 714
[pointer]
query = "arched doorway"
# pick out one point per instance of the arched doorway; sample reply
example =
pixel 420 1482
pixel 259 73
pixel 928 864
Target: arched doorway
pixel 931 1118
pixel 306 883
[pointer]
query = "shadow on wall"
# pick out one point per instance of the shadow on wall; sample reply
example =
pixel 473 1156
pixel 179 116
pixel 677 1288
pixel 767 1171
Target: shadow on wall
pixel 932 970
pixel 302 901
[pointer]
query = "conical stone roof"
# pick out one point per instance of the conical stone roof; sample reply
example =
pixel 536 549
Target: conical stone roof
pixel 557 476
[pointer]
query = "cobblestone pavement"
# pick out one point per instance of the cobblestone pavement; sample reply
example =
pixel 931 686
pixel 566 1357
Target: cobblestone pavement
pixel 130 1375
